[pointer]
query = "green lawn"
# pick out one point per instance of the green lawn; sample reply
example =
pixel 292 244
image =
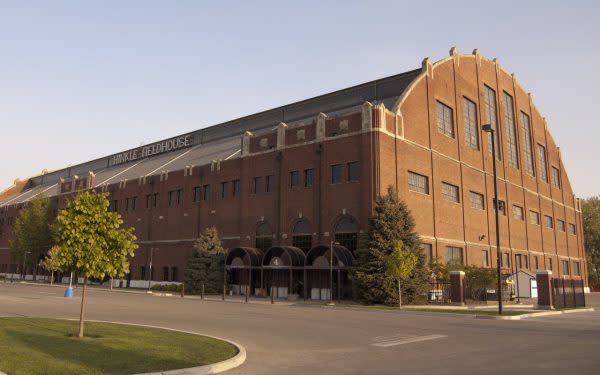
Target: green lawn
pixel 46 346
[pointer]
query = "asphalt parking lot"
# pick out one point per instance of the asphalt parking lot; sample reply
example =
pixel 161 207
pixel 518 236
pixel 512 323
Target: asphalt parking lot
pixel 299 339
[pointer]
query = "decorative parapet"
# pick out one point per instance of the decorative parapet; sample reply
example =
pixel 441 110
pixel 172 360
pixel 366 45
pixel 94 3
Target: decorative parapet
pixel 321 117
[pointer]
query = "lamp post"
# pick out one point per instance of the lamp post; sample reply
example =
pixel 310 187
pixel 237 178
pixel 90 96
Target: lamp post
pixel 150 268
pixel 489 129
pixel 331 271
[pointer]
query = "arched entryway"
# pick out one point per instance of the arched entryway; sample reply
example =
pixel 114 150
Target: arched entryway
pixel 302 235
pixel 243 265
pixel 282 270
pixel 263 237
pixel 323 268
pixel 346 233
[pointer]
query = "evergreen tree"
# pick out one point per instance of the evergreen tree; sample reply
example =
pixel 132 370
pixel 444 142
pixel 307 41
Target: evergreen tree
pixel 391 222
pixel 32 232
pixel 591 233
pixel 206 264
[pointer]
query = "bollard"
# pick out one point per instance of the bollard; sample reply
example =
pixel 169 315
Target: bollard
pixel 202 292
pixel 272 296
pixel 182 290
pixel 247 292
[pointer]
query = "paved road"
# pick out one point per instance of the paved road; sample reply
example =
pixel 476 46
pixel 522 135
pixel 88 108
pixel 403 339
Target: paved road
pixel 283 339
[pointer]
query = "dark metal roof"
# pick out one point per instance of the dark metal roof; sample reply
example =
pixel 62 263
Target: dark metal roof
pixel 290 255
pixel 386 90
pixel 250 256
pixel 342 256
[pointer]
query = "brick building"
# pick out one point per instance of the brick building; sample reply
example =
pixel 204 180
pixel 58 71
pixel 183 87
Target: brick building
pixel 281 185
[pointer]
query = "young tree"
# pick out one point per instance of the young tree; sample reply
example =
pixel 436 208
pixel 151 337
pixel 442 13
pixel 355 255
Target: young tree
pixel 391 222
pixel 205 266
pixel 591 233
pixel 399 265
pixel 91 242
pixel 32 232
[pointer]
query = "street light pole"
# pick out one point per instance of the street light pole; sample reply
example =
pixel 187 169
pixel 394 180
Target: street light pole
pixel 150 268
pixel 489 129
pixel 331 243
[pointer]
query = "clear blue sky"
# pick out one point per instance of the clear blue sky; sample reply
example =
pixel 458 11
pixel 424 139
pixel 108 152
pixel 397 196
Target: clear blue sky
pixel 80 80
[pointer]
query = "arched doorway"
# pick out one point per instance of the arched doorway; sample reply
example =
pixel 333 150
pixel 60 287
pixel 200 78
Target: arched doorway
pixel 263 237
pixel 346 233
pixel 243 264
pixel 302 235
pixel 282 268
pixel 317 271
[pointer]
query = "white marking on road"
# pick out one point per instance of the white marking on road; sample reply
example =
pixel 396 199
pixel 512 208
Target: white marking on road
pixel 388 341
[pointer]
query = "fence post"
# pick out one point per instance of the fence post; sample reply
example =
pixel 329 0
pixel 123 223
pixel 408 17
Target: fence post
pixel 272 296
pixel 457 287
pixel 544 287
pixel 247 292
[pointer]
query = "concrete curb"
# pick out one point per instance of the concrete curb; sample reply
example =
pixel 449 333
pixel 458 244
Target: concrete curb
pixel 533 315
pixel 213 368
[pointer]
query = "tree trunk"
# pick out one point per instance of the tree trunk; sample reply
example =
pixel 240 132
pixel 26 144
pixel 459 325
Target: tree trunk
pixel 80 334
pixel 399 294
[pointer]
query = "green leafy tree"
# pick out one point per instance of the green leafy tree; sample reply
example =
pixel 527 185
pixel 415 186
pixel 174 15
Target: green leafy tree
pixel 32 232
pixel 591 232
pixel 205 266
pixel 399 265
pixel 391 222
pixel 91 242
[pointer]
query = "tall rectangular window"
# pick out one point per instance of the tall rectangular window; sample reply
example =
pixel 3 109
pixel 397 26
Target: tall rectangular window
pixel 501 207
pixel 454 255
pixel 236 188
pixel 270 184
pixel 428 251
pixel 450 192
pixel 148 200
pixel 133 202
pixel 511 132
pixel 572 228
pixel 295 179
pixel 126 204
pixel 506 260
pixel 560 225
pixel 337 170
pixel 491 117
pixel 175 198
pixel 206 192
pixel 444 119
pixel 564 265
pixel 548 222
pixel 518 212
pixel 418 183
pixel 536 262
pixel 556 177
pixel 542 162
pixel 550 264
pixel 527 145
pixel 534 217
pixel 476 200
pixel 485 258
pixel 576 269
pixel 256 184
pixel 224 188
pixel 197 194
pixel 309 177
pixel 470 120
pixel 353 171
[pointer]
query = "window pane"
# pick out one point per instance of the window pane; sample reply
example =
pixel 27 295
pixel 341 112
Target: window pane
pixel 518 212
pixel 485 260
pixel 450 192
pixel 534 217
pixel 572 228
pixel 548 222
pixel 256 185
pixel 556 177
pixel 470 120
pixel 527 144
pixel 476 200
pixel 309 177
pixel 206 189
pixel 454 255
pixel 270 184
pixel 295 179
pixel 236 188
pixel 445 119
pixel 542 162
pixel 490 112
pixel 428 251
pixel 418 183
pixel 511 133
pixel 336 173
pixel 353 171
pixel 224 188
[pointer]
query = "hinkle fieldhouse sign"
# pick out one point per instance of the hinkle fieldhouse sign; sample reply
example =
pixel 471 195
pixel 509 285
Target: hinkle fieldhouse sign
pixel 153 149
